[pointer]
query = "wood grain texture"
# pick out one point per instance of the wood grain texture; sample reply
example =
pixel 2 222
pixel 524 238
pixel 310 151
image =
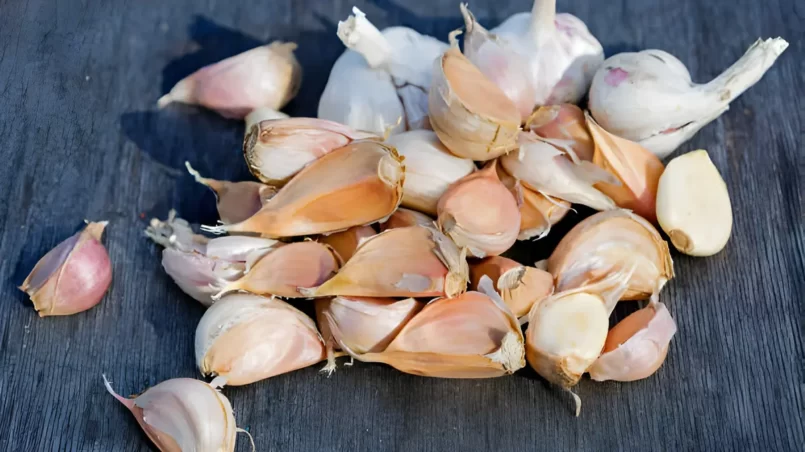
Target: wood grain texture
pixel 80 138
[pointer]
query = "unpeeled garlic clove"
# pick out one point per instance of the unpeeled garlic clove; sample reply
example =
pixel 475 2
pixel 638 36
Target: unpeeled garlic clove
pixel 520 286
pixel 538 212
pixel 693 205
pixel 73 277
pixel 563 125
pixel 237 201
pixel 402 218
pixel 429 168
pixel 478 212
pixel 244 338
pixel 261 114
pixel 402 262
pixel 473 335
pixel 636 347
pixel 611 241
pixel 266 76
pixel 637 169
pixel 276 150
pixel 346 242
pixel 368 325
pixel 358 184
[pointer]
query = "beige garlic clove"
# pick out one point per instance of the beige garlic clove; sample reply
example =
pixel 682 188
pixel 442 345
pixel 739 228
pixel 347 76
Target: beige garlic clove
pixel 472 117
pixel 346 242
pixel 402 262
pixel 261 114
pixel 478 212
pixel 520 286
pixel 358 184
pixel 402 218
pixel 429 168
pixel 237 201
pixel 611 241
pixel 266 76
pixel 276 150
pixel 637 169
pixel 637 346
pixel 563 125
pixel 73 277
pixel 693 205
pixel 368 325
pixel 538 212
pixel 244 338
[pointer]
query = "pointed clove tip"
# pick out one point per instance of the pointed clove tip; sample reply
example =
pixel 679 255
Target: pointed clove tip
pixel 128 403
pixel 164 101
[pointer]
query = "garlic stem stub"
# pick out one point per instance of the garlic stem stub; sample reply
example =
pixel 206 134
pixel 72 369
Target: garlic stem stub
pixel 519 286
pixel 236 201
pixel 266 76
pixel 244 338
pixel 693 205
pixel 563 125
pixel 345 243
pixel 368 325
pixel 72 277
pixel 402 218
pixel 538 212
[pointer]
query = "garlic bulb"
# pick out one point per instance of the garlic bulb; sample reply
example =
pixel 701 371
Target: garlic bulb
pixel 636 347
pixel 402 218
pixel 537 58
pixel 693 205
pixel 73 277
pixel 478 212
pixel 358 184
pixel 470 114
pixel 277 149
pixel 184 414
pixel 429 168
pixel 648 97
pixel 538 213
pixel 369 325
pixel 404 262
pixel 383 79
pixel 473 335
pixel 519 286
pixel 637 170
pixel 565 126
pixel 608 242
pixel 245 338
pixel 266 76
pixel 237 201
pixel 345 243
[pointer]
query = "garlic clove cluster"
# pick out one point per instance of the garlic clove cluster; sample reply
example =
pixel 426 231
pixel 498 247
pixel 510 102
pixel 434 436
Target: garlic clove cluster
pixel 237 201
pixel 345 243
pixel 563 125
pixel 519 286
pixel 73 277
pixel 538 212
pixel 266 76
pixel 402 218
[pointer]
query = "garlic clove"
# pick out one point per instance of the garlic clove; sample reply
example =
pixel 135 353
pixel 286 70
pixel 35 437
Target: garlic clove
pixel 261 114
pixel 345 243
pixel 519 286
pixel 73 277
pixel 176 233
pixel 693 205
pixel 244 338
pixel 611 241
pixel 538 212
pixel 565 125
pixel 637 169
pixel 637 346
pixel 266 76
pixel 358 184
pixel 237 201
pixel 429 168
pixel 402 262
pixel 402 218
pixel 200 276
pixel 478 212
pixel 276 150
pixel 369 325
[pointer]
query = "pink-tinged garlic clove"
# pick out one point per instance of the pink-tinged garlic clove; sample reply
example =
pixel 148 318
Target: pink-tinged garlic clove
pixel 538 212
pixel 564 125
pixel 402 218
pixel 237 201
pixel 369 324
pixel 200 276
pixel 346 242
pixel 520 286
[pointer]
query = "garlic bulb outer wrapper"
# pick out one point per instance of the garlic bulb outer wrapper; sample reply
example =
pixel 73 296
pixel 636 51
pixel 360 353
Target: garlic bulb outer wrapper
pixel 402 218
pixel 72 277
pixel 266 76
pixel 237 201
pixel 245 338
pixel 519 286
pixel 369 324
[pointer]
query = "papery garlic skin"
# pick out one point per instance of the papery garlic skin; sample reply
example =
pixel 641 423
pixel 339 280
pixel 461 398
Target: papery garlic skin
pixel 72 277
pixel 402 218
pixel 345 243
pixel 693 205
pixel 237 201
pixel 369 324
pixel 200 276
pixel 430 168
pixel 564 125
pixel 266 76
pixel 538 212
pixel 519 286
pixel 649 97
pixel 245 338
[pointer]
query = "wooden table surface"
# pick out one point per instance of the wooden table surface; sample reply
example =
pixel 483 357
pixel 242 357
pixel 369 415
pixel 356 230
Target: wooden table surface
pixel 81 138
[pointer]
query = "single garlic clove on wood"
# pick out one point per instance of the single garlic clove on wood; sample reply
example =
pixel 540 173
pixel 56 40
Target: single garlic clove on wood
pixel 276 150
pixel 520 286
pixel 244 338
pixel 636 347
pixel 429 168
pixel 73 277
pixel 538 212
pixel 564 125
pixel 403 262
pixel 478 212
pixel 237 201
pixel 358 184
pixel 346 242
pixel 693 205
pixel 402 218
pixel 368 325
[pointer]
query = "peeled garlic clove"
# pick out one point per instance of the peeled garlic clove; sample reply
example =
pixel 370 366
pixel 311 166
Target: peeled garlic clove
pixel 358 184
pixel 429 168
pixel 611 241
pixel 402 218
pixel 369 324
pixel 261 114
pixel 403 262
pixel 73 277
pixel 183 414
pixel 266 76
pixel 276 150
pixel 519 286
pixel 693 205
pixel 565 125
pixel 346 242
pixel 538 213
pixel 244 338
pixel 472 117
pixel 636 347
pixel 237 201
pixel 637 169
